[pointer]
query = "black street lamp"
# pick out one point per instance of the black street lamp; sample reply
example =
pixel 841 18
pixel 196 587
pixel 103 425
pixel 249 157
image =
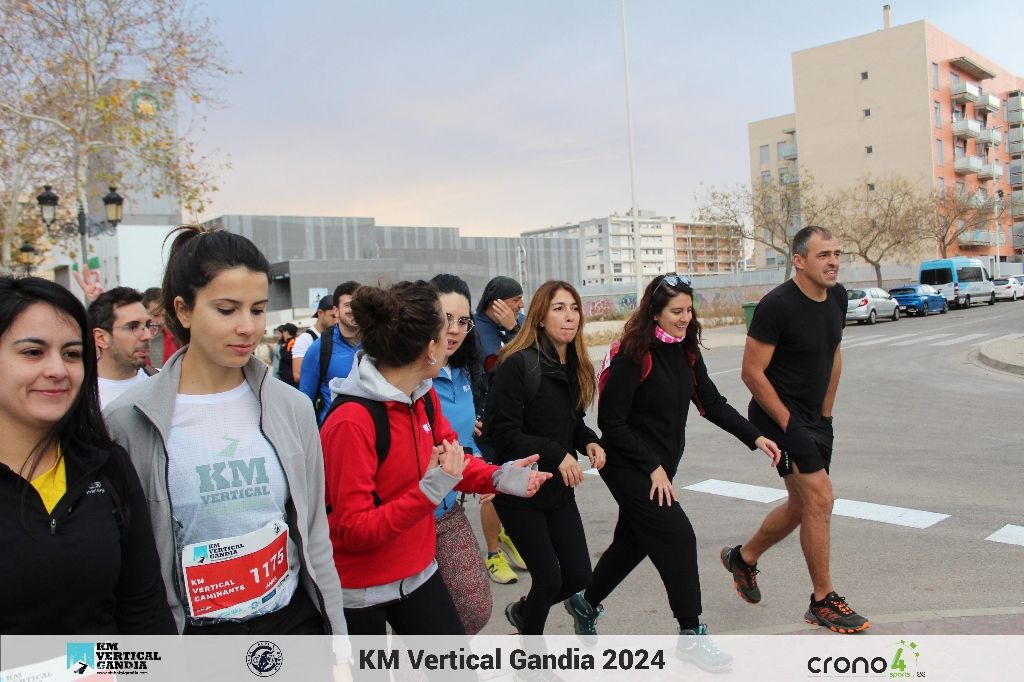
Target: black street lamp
pixel 28 256
pixel 113 204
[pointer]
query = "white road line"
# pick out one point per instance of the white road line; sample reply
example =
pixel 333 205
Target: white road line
pixel 1009 535
pixel 885 340
pixel 998 338
pixel 754 493
pixel 897 516
pixel 859 339
pixel 930 337
pixel 724 371
pixel 959 339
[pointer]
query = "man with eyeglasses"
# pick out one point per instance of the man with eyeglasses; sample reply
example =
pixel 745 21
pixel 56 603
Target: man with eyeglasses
pixel 122 330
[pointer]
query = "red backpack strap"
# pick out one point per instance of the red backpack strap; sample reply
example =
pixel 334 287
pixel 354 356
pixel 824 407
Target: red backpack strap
pixel 645 367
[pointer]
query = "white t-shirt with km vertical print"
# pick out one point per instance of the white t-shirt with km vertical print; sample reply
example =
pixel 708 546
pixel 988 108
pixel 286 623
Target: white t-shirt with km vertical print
pixel 226 480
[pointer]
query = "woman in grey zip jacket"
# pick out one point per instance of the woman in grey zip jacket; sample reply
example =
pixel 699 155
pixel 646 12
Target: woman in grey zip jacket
pixel 229 458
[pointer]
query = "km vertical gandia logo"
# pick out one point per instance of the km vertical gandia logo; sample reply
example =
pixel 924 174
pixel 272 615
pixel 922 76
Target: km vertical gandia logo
pixel 903 663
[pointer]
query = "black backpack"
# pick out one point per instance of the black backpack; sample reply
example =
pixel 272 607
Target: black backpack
pixel 326 347
pixel 381 426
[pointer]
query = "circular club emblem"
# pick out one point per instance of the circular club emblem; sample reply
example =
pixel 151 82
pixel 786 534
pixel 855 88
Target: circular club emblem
pixel 264 658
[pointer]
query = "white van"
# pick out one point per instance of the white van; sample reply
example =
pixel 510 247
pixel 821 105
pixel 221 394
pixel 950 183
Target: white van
pixel 962 281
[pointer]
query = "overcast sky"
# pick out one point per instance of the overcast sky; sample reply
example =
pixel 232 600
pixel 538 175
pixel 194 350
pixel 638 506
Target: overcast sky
pixel 498 117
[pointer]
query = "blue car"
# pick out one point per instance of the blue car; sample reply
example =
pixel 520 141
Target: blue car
pixel 919 299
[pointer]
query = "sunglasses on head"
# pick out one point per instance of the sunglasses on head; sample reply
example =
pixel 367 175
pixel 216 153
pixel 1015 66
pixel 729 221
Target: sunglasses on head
pixel 676 280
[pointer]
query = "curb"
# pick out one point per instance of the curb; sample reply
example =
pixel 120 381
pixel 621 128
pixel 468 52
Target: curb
pixel 909 616
pixel 1000 365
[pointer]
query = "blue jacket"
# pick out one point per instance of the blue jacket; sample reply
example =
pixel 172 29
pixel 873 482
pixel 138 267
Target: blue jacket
pixel 456 397
pixel 342 355
pixel 492 336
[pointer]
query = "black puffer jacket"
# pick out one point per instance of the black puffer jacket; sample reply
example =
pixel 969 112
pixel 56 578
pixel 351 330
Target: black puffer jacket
pixel 549 425
pixel 84 569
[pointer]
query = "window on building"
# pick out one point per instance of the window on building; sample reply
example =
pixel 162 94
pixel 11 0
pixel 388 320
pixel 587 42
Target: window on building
pixel 867 113
pixel 863 75
pixel 765 154
pixel 780 150
pixel 938 114
pixel 869 149
pixel 766 176
pixel 939 159
pixel 960 188
pixel 935 75
pixel 871 187
pixel 983 194
pixel 941 186
pixel 954 78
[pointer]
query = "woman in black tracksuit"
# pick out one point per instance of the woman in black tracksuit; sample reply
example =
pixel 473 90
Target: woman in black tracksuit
pixel 78 550
pixel 536 403
pixel 642 413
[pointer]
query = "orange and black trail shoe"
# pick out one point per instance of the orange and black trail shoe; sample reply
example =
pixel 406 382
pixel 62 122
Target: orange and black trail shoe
pixel 833 613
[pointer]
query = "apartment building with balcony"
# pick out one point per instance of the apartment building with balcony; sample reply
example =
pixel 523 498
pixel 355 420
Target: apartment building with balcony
pixel 906 101
pixel 607 249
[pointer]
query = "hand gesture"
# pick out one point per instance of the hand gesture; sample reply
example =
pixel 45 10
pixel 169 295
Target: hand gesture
pixel 89 281
pixel 478 428
pixel 451 458
pixel 572 475
pixel 769 448
pixel 662 485
pixel 506 316
pixel 595 453
pixel 537 478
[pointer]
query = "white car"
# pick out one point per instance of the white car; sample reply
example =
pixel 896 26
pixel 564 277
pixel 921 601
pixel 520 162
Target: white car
pixel 868 305
pixel 1009 288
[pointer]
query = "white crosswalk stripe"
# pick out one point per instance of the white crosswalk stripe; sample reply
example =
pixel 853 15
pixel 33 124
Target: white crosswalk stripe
pixel 886 339
pixel 859 339
pixel 1008 534
pixel 929 337
pixel 960 339
pixel 869 511
pixel 1004 337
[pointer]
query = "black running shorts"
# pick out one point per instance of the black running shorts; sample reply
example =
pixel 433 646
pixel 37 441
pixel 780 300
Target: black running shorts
pixel 807 445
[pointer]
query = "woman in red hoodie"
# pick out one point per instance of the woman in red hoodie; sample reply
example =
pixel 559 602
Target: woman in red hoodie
pixel 384 483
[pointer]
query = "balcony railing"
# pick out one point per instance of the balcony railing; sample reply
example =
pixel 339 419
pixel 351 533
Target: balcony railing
pixel 1015 103
pixel 981 238
pixel 1015 116
pixel 1017 203
pixel 789 151
pixel 991 171
pixel 968 164
pixel 967 128
pixel 789 178
pixel 1018 235
pixel 990 136
pixel 965 92
pixel 987 103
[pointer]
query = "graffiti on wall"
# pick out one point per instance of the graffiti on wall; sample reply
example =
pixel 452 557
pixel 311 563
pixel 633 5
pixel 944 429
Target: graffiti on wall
pixel 613 307
pixel 719 302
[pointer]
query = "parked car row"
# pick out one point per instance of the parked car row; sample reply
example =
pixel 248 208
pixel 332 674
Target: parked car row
pixel 870 304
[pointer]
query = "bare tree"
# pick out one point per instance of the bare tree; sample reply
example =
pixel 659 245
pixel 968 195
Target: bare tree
pixel 104 86
pixel 953 214
pixel 881 219
pixel 770 212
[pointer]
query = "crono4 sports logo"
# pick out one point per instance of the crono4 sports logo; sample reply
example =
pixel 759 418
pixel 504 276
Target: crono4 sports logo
pixel 905 663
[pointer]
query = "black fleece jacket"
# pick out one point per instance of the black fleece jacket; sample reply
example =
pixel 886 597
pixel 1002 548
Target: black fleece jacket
pixel 643 423
pixel 84 569
pixel 549 425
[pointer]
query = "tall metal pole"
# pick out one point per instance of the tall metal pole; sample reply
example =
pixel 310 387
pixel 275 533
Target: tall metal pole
pixel 83 231
pixel 638 265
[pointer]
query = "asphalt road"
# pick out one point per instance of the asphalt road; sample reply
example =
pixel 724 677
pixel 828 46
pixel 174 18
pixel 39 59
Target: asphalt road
pixel 919 424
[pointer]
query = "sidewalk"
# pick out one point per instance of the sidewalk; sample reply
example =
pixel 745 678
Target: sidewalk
pixel 990 621
pixel 1007 356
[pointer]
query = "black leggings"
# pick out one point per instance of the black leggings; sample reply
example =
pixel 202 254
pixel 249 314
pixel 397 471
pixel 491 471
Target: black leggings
pixel 427 611
pixel 554 546
pixel 645 529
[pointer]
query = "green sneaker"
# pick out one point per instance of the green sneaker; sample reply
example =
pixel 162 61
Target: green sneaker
pixel 584 616
pixel 696 647
pixel 510 550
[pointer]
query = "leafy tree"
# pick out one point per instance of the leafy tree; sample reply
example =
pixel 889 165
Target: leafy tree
pixel 92 91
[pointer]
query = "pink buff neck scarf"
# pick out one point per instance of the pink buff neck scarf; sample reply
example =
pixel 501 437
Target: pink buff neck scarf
pixel 664 336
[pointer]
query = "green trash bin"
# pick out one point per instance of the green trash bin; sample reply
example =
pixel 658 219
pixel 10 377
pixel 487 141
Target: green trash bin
pixel 748 312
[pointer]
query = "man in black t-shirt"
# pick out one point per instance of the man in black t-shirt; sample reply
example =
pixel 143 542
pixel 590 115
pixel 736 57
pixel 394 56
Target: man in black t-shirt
pixel 791 364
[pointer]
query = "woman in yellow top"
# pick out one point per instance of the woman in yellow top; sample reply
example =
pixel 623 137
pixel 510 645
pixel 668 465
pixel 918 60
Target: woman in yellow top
pixel 78 550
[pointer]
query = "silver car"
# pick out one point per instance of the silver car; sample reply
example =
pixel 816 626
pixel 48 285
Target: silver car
pixel 868 305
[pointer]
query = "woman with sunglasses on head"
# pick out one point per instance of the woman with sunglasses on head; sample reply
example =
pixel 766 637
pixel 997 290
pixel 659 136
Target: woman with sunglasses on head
pixel 656 373
pixel 78 551
pixel 542 385
pixel 230 457
pixel 391 458
pixel 458 552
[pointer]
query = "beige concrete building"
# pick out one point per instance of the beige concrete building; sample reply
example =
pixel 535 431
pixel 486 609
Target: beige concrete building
pixel 905 101
pixel 708 248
